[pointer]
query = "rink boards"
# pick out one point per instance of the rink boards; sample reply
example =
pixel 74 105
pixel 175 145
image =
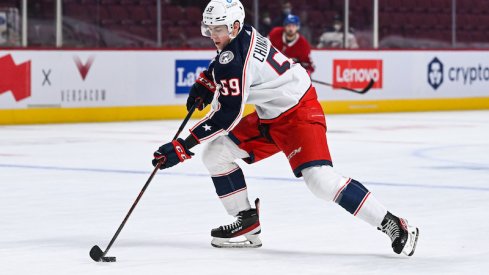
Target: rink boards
pixel 47 86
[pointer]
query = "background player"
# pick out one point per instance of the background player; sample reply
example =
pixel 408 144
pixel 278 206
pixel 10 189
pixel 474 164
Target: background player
pixel 288 40
pixel 288 119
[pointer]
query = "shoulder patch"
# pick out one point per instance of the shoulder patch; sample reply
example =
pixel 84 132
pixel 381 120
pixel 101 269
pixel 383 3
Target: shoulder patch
pixel 226 57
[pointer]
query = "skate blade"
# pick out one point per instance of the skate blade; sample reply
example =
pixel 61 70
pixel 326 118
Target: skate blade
pixel 412 241
pixel 252 241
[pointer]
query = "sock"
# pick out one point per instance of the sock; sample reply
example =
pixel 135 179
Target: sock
pixel 356 199
pixel 231 189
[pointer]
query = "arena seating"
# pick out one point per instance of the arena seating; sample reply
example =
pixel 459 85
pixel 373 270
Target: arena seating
pixel 135 20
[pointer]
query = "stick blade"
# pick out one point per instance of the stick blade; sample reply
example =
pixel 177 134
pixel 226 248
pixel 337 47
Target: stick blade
pixel 369 86
pixel 96 253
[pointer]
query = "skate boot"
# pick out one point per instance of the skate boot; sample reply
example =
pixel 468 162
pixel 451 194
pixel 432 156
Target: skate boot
pixel 247 225
pixel 403 236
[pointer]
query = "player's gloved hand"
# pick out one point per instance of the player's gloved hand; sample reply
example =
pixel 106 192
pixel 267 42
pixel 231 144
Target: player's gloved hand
pixel 203 89
pixel 171 154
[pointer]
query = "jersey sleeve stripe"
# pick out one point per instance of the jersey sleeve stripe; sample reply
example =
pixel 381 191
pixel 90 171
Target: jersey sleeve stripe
pixel 212 135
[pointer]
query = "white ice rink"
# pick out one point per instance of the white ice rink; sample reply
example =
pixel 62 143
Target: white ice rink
pixel 65 188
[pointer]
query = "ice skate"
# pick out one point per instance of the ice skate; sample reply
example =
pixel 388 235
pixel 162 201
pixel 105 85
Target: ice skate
pixel 403 236
pixel 246 225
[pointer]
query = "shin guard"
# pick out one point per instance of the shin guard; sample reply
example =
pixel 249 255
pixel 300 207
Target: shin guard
pixel 352 196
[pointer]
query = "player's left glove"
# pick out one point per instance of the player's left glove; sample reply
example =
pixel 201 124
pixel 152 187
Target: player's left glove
pixel 171 154
pixel 202 90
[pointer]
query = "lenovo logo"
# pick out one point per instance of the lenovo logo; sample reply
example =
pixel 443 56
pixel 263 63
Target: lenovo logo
pixel 15 78
pixel 356 74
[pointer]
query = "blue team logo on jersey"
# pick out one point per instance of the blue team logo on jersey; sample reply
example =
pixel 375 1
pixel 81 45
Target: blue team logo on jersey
pixel 186 72
pixel 435 73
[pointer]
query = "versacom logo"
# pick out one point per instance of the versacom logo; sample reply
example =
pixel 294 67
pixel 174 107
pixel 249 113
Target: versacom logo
pixel 83 68
pixel 186 72
pixel 435 73
pixel 83 90
pixel 15 78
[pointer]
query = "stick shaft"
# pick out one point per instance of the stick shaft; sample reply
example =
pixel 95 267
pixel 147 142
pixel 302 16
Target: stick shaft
pixel 190 112
pixel 366 89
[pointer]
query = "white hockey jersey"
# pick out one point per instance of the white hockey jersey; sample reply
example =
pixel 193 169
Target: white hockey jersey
pixel 250 70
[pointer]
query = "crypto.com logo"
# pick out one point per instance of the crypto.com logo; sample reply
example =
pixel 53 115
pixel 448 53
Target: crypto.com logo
pixel 83 68
pixel 15 78
pixel 435 73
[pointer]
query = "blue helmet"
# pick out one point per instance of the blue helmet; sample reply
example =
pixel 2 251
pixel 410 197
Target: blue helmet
pixel 292 19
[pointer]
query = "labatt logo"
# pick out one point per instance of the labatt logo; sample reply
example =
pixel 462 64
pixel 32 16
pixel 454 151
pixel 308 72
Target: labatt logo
pixel 186 72
pixel 356 74
pixel 15 78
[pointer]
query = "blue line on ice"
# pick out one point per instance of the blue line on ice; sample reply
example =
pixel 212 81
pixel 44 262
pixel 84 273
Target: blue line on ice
pixel 452 187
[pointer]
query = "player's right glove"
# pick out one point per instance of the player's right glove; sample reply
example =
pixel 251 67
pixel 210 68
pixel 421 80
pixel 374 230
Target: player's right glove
pixel 171 154
pixel 203 89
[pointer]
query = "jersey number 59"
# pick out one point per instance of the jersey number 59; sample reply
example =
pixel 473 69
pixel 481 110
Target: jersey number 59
pixel 230 87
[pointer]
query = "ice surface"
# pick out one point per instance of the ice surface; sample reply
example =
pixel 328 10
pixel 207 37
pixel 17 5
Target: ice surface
pixel 65 188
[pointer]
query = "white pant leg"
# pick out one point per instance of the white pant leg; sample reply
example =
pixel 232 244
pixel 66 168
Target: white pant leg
pixel 219 157
pixel 326 184
pixel 323 181
pixel 220 153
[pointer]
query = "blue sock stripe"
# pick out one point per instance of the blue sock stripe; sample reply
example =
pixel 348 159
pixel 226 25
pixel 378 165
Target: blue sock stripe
pixel 227 184
pixel 352 196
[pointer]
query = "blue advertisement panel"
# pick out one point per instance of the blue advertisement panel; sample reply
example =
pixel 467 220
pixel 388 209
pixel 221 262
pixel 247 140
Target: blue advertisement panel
pixel 186 71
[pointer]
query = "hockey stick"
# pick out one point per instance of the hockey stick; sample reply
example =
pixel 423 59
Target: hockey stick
pixel 363 91
pixel 96 253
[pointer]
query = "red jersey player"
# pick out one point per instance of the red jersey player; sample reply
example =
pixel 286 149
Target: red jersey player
pixel 288 40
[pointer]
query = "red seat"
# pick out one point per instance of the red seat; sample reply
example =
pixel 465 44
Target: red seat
pixel 118 12
pixel 147 2
pixel 315 18
pixel 138 13
pixel 193 14
pixel 439 6
pixel 172 13
pixel 9 3
pixel 390 5
pixel 78 11
pixel 129 2
pixel 98 11
pixel 420 6
pixel 109 2
pixel 140 31
pixel 89 2
pixel 193 32
pixel 444 21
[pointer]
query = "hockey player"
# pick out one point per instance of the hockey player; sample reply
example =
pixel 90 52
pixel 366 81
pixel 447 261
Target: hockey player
pixel 293 45
pixel 288 119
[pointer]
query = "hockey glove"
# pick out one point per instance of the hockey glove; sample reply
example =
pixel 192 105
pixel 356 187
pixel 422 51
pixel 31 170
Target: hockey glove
pixel 203 89
pixel 171 154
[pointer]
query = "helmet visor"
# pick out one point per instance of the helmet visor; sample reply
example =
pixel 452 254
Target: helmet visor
pixel 216 31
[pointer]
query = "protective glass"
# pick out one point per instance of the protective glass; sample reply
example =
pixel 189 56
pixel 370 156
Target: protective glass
pixel 209 31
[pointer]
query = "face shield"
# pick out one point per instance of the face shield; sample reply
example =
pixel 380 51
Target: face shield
pixel 214 31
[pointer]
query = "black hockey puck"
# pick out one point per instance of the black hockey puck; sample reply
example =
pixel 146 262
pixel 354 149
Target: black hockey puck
pixel 108 259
